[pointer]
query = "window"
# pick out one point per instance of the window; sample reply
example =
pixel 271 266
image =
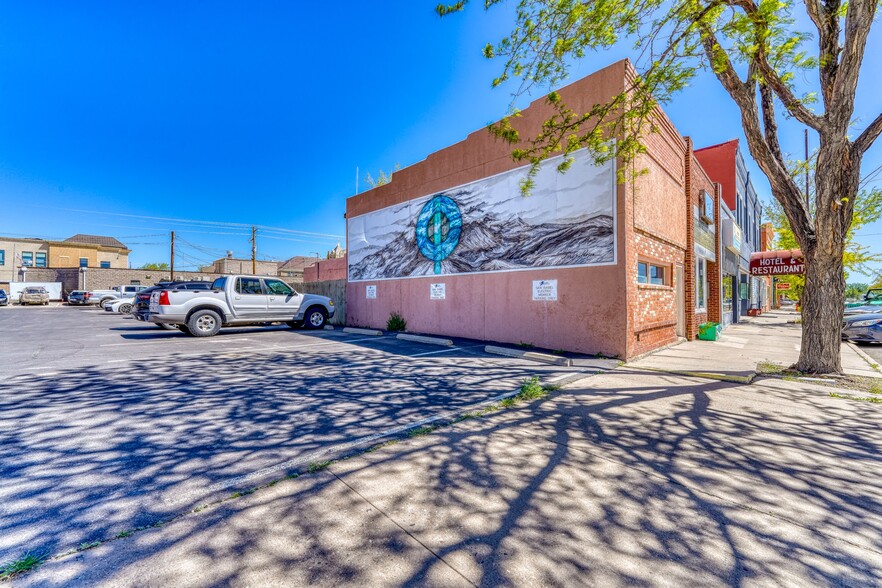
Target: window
pixel 248 286
pixel 105 264
pixel 701 284
pixel 2 257
pixel 277 287
pixel 27 259
pixel 649 273
pixel 219 284
pixel 84 262
pixel 41 259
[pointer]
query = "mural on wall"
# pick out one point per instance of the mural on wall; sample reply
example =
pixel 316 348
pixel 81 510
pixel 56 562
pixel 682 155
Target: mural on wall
pixel 488 226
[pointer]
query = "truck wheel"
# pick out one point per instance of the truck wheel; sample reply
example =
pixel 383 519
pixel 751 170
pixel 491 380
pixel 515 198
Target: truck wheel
pixel 315 318
pixel 125 308
pixel 184 329
pixel 204 323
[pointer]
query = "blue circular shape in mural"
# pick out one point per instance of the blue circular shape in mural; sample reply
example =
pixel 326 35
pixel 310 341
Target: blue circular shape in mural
pixel 438 228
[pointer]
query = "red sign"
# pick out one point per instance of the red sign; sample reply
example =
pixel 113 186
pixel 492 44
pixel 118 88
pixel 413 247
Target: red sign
pixel 777 263
pixel 783 285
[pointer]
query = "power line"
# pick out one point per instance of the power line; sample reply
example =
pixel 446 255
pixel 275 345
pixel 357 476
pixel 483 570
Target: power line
pixel 204 223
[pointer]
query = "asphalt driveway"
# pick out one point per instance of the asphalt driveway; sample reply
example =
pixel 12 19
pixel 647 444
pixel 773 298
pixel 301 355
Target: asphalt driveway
pixel 107 424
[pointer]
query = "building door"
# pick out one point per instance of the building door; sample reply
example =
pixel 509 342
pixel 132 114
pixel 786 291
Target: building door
pixel 680 287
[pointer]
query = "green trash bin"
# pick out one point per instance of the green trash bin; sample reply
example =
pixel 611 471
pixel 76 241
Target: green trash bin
pixel 709 331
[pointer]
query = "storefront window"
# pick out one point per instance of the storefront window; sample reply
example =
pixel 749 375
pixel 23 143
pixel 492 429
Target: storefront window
pixel 701 283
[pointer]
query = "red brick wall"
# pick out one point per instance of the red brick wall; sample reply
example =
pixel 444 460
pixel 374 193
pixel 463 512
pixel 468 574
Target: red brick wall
pixel 325 270
pixel 719 163
pixel 699 181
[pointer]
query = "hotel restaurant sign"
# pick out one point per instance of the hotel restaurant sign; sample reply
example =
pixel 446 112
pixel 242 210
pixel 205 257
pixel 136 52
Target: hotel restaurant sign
pixel 777 263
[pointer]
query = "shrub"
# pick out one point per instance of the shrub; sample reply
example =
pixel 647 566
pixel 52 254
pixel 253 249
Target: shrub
pixel 396 322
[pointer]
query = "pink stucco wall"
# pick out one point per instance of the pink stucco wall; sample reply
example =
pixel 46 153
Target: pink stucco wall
pixel 589 315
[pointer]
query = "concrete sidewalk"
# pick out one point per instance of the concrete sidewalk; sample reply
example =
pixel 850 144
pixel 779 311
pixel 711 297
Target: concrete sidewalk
pixel 774 338
pixel 629 478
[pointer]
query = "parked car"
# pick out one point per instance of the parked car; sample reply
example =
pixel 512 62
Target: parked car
pixel 77 298
pixel 4 297
pixel 238 300
pixel 121 306
pixel 863 328
pixel 100 297
pixel 141 310
pixel 34 295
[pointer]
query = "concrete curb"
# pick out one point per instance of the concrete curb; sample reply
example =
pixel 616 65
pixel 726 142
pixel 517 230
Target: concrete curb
pixel 357 331
pixel 423 339
pixel 540 357
pixel 863 355
pixel 705 375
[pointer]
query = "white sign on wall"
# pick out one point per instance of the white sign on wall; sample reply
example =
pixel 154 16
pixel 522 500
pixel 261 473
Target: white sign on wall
pixel 544 289
pixel 370 292
pixel 438 291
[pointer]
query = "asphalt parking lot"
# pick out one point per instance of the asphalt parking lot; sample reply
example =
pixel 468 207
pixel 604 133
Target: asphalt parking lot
pixel 108 424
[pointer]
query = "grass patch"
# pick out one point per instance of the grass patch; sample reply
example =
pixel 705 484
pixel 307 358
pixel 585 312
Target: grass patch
pixel 396 322
pixel 873 399
pixel 769 367
pixel 318 466
pixel 25 563
pixel 560 352
pixel 525 345
pixel 421 431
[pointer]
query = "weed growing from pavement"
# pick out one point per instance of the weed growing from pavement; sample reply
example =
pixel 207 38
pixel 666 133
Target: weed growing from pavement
pixel 396 322
pixel 317 466
pixel 89 545
pixel 560 352
pixel 124 534
pixel 420 431
pixel 25 563
pixel 874 399
pixel 769 367
pixel 525 345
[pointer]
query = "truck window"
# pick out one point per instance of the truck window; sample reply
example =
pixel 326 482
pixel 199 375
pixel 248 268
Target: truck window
pixel 248 286
pixel 278 288
pixel 219 284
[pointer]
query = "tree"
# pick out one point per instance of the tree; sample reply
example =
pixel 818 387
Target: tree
pixel 855 290
pixel 857 257
pixel 382 178
pixel 155 266
pixel 755 49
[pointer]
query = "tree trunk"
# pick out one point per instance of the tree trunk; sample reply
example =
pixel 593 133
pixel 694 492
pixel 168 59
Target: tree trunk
pixel 823 302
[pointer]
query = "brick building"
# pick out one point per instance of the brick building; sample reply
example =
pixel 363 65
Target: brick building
pixel 724 163
pixel 18 257
pixel 584 263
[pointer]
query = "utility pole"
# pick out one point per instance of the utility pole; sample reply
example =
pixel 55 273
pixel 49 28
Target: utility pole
pixel 172 263
pixel 254 250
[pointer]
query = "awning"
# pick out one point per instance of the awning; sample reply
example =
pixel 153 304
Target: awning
pixel 777 263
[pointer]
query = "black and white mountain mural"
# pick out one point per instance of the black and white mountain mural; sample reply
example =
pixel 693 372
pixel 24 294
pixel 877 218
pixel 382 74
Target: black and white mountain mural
pixel 488 226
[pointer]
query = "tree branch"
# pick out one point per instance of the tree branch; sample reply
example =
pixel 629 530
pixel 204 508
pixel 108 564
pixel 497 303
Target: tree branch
pixel 766 154
pixel 793 104
pixel 858 21
pixel 865 139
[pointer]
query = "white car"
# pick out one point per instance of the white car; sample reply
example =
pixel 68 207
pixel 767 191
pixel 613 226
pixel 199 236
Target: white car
pixel 122 306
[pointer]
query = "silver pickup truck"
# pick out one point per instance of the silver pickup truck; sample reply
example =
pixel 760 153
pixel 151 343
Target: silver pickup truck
pixel 238 300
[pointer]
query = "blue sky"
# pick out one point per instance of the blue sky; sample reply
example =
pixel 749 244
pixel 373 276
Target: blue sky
pixel 260 113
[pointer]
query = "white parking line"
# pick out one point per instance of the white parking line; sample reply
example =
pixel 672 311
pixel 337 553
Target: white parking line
pixel 449 349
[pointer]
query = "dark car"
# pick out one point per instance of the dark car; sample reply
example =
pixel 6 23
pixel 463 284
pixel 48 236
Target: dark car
pixel 78 297
pixel 863 328
pixel 141 309
pixel 4 298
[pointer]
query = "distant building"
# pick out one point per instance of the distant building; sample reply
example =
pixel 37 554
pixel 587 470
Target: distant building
pixel 293 267
pixel 724 164
pixel 232 265
pixel 337 253
pixel 18 256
